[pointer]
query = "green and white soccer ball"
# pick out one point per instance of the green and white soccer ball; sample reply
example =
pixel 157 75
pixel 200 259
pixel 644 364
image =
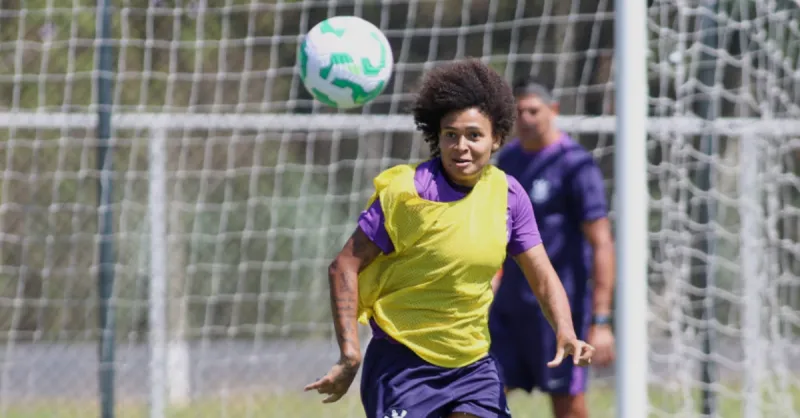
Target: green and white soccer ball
pixel 345 62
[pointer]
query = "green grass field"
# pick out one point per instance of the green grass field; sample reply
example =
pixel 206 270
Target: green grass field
pixel 300 405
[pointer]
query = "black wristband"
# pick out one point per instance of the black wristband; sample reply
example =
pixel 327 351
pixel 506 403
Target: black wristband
pixel 601 319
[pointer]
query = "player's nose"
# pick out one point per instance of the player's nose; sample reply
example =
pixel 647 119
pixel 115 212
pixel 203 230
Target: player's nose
pixel 461 143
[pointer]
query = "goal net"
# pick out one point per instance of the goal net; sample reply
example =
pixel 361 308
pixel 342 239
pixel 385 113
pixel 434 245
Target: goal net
pixel 229 190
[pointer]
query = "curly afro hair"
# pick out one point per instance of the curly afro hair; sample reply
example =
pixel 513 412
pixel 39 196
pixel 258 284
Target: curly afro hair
pixel 458 86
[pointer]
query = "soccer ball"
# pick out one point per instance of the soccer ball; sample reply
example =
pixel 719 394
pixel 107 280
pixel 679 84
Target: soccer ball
pixel 345 62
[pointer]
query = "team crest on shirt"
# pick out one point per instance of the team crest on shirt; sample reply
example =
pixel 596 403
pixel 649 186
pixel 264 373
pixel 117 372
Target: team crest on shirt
pixel 397 413
pixel 540 190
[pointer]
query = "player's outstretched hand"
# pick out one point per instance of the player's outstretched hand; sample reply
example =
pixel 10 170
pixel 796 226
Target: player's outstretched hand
pixel 338 380
pixel 580 351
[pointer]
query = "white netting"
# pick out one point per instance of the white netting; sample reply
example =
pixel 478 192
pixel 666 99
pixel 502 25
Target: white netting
pixel 262 186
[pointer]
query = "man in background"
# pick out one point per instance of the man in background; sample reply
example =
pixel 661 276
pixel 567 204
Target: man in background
pixel 566 188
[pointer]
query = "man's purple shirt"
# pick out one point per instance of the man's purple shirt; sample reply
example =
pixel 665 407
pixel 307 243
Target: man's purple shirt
pixel 432 184
pixel 566 188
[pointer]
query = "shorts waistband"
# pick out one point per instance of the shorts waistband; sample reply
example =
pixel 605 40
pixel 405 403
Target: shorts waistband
pixel 379 333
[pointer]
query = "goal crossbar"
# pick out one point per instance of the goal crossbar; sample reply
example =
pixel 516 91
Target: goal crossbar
pixel 685 125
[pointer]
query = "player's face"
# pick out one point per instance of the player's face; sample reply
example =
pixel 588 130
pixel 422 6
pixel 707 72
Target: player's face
pixel 535 118
pixel 466 143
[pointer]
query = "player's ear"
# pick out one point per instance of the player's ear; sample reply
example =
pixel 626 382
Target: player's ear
pixel 495 143
pixel 555 108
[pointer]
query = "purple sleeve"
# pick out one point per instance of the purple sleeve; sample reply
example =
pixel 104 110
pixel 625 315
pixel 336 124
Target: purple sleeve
pixel 371 222
pixel 589 193
pixel 524 230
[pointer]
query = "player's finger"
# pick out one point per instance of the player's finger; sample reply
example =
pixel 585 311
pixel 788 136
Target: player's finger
pixel 588 350
pixel 558 358
pixel 326 389
pixel 333 398
pixel 584 354
pixel 581 352
pixel 316 385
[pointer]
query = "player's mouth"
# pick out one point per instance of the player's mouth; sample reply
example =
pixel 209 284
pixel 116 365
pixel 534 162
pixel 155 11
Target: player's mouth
pixel 461 163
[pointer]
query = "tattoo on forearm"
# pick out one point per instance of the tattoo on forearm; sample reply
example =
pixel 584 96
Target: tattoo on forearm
pixel 344 288
pixel 344 304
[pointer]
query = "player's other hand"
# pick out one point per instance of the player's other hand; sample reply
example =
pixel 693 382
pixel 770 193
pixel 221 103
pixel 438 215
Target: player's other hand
pixel 602 339
pixel 338 380
pixel 580 351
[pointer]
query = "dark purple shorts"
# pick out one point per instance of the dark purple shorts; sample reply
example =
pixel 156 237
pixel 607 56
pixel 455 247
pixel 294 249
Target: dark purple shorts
pixel 396 383
pixel 523 344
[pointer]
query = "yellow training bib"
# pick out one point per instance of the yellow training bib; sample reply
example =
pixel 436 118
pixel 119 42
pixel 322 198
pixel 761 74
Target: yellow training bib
pixel 432 294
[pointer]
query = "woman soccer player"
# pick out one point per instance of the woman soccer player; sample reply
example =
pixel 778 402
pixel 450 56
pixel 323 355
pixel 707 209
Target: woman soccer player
pixel 419 266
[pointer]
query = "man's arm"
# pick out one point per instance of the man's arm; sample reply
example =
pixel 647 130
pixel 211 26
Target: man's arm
pixel 588 194
pixel 598 233
pixel 358 253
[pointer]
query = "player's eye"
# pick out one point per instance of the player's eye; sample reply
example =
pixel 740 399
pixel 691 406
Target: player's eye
pixel 474 136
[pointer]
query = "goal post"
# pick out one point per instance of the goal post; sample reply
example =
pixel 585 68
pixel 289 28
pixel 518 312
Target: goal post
pixel 631 207
pixel 232 190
